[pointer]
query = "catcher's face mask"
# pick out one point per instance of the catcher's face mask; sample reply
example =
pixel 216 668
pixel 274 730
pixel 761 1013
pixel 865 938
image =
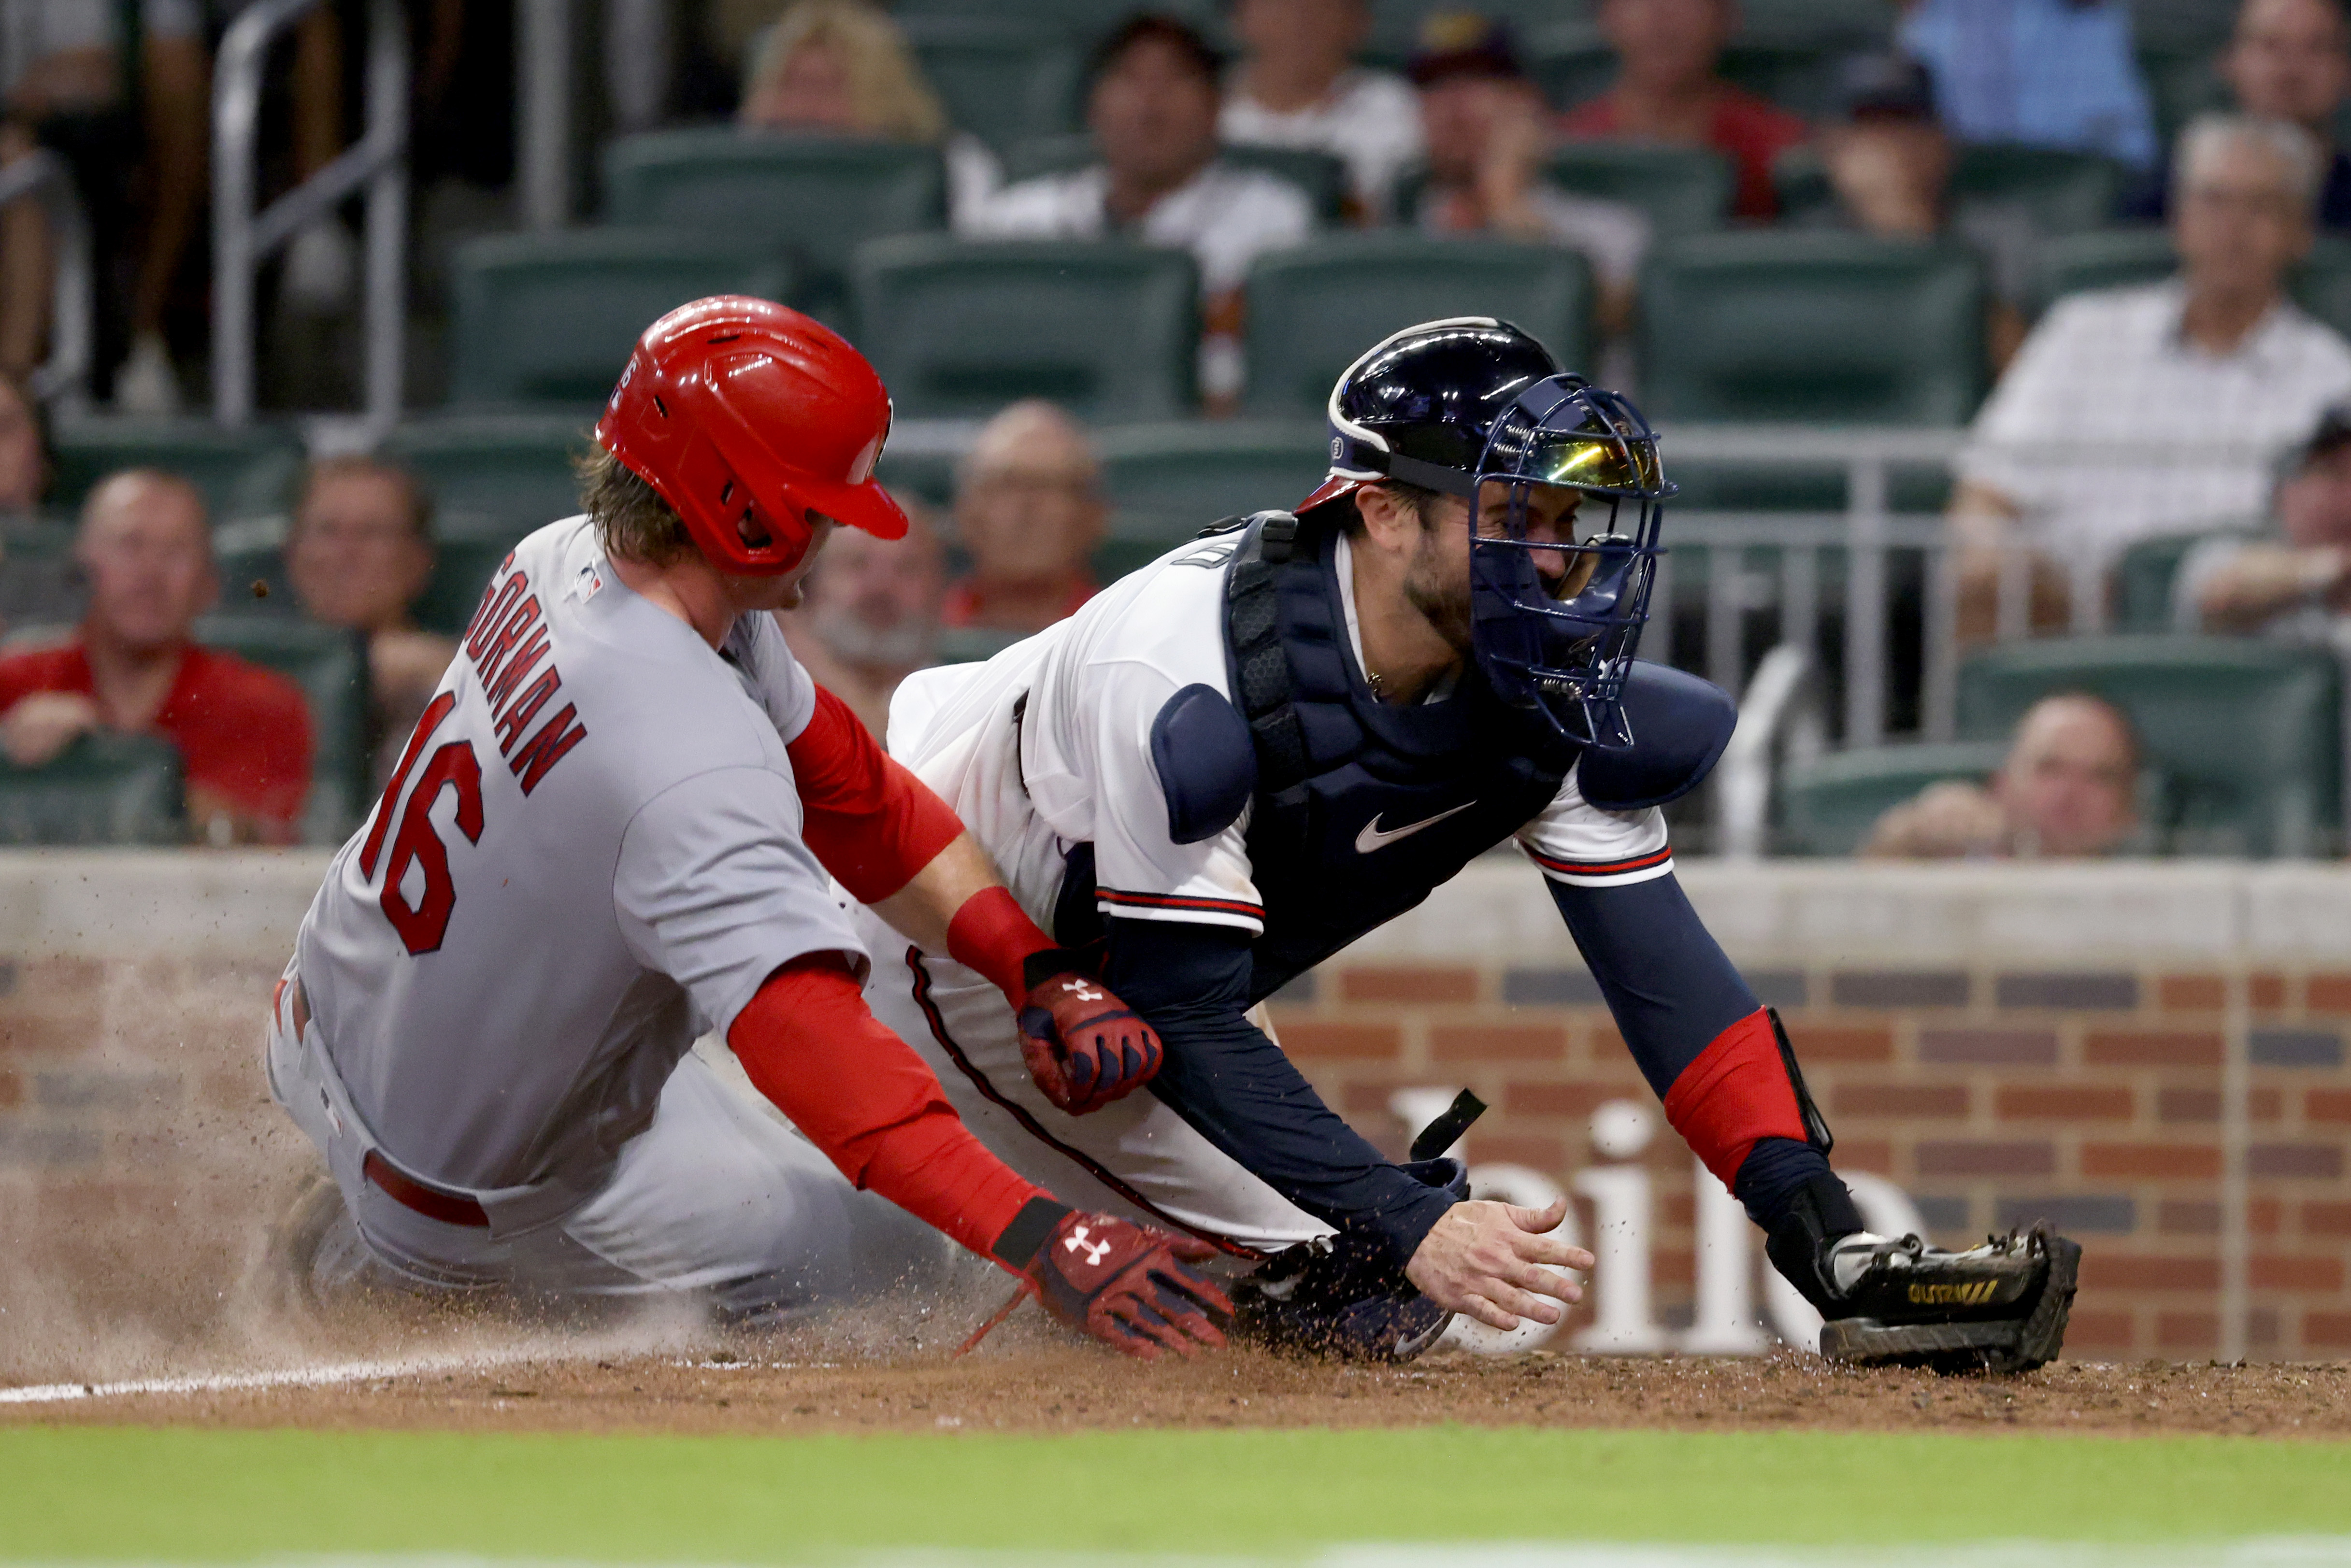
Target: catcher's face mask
pixel 1563 643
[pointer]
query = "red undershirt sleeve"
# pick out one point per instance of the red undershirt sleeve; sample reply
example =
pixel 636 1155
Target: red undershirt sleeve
pixel 810 1045
pixel 867 820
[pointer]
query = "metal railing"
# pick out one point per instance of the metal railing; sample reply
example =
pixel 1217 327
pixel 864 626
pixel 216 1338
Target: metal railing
pixel 243 238
pixel 62 380
pixel 543 112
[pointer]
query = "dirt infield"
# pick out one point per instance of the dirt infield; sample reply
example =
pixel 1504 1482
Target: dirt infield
pixel 791 1384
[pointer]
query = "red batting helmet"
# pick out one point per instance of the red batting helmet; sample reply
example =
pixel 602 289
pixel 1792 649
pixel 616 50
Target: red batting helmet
pixel 747 417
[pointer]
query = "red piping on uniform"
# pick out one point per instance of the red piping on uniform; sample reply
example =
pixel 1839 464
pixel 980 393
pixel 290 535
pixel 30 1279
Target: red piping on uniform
pixel 1036 1129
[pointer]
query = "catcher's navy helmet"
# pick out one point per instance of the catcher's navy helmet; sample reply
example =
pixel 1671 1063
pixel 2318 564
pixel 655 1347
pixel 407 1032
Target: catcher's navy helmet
pixel 1458 404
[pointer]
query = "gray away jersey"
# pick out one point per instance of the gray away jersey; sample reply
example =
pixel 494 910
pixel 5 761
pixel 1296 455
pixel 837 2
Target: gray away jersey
pixel 591 854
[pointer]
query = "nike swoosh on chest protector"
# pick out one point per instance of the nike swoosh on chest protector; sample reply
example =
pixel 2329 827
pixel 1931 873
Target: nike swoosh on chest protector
pixel 1371 838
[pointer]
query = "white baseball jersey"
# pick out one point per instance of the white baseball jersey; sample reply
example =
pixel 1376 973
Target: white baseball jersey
pixel 591 854
pixel 1077 766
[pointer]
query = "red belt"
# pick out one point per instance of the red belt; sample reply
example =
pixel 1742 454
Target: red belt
pixel 448 1207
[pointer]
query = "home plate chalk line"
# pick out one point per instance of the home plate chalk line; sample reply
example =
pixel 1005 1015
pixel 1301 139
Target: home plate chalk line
pixel 322 1375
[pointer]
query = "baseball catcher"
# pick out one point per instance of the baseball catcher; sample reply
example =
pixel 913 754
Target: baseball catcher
pixel 1234 762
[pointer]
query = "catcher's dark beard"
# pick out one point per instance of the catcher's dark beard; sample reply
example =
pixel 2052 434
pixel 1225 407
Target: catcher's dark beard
pixel 1443 602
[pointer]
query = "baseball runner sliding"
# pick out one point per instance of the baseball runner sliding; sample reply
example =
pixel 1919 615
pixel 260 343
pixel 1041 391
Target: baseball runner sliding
pixel 612 832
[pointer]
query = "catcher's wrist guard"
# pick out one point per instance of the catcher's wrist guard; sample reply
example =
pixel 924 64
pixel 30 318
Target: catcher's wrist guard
pixel 2001 1307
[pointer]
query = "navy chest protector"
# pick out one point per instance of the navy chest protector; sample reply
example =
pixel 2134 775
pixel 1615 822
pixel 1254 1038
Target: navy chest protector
pixel 1364 807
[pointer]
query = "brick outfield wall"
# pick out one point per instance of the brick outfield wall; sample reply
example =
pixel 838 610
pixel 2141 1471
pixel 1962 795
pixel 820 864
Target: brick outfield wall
pixel 1993 1096
pixel 140 1164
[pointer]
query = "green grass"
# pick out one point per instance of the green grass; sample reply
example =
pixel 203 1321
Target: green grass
pixel 185 1494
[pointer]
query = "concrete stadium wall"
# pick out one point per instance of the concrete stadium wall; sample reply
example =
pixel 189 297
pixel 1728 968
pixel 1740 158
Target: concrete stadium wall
pixel 2152 1055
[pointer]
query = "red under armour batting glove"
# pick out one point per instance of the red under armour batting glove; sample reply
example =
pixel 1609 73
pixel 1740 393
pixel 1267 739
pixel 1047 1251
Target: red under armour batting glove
pixel 1082 1046
pixel 1129 1286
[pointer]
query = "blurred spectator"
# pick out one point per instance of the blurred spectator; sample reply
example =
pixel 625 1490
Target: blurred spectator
pixel 2042 73
pixel 1153 110
pixel 2069 787
pixel 870 615
pixel 359 554
pixel 2288 59
pixel 2297 581
pixel 242 732
pixel 2136 411
pixel 1668 90
pixel 140 169
pixel 40 584
pixel 1029 512
pixel 1889 158
pixel 841 66
pixel 1298 85
pixel 1484 124
pixel 24 452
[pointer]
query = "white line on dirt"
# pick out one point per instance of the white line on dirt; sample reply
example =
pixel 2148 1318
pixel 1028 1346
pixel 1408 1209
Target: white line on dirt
pixel 318 1376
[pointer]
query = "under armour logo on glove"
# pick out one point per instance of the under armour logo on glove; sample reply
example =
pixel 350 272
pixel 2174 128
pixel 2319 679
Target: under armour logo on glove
pixel 1136 1290
pixel 1095 1251
pixel 1082 1046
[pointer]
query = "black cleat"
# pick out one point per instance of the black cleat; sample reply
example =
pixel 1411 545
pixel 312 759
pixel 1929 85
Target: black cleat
pixel 1340 1296
pixel 1998 1308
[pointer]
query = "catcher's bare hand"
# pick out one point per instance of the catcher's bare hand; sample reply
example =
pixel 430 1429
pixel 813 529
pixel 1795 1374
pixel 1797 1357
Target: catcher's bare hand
pixel 1486 1260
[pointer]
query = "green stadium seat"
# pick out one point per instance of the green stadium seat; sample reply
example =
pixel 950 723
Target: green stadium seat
pixel 1844 25
pixel 1799 77
pixel 1396 33
pixel 812 198
pixel 1111 331
pixel 1321 176
pixel 927 476
pixel 1813 327
pixel 1001 79
pixel 1570 62
pixel 1827 807
pixel 2181 84
pixel 1314 309
pixel 1082 20
pixel 2322 285
pixel 462 569
pixel 494 478
pixel 1682 190
pixel 2144 579
pixel 331 667
pixel 103 788
pixel 972 644
pixel 548 319
pixel 2104 258
pixel 2271 785
pixel 1064 152
pixel 2121 257
pixel 2059 192
pixel 242 473
pixel 1167 482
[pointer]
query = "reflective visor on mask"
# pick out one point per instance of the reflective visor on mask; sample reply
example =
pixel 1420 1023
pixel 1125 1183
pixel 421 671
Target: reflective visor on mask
pixel 1607 450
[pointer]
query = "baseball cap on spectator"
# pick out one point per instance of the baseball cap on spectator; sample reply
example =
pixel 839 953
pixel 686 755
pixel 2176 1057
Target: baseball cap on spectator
pixel 1151 27
pixel 1463 43
pixel 1882 85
